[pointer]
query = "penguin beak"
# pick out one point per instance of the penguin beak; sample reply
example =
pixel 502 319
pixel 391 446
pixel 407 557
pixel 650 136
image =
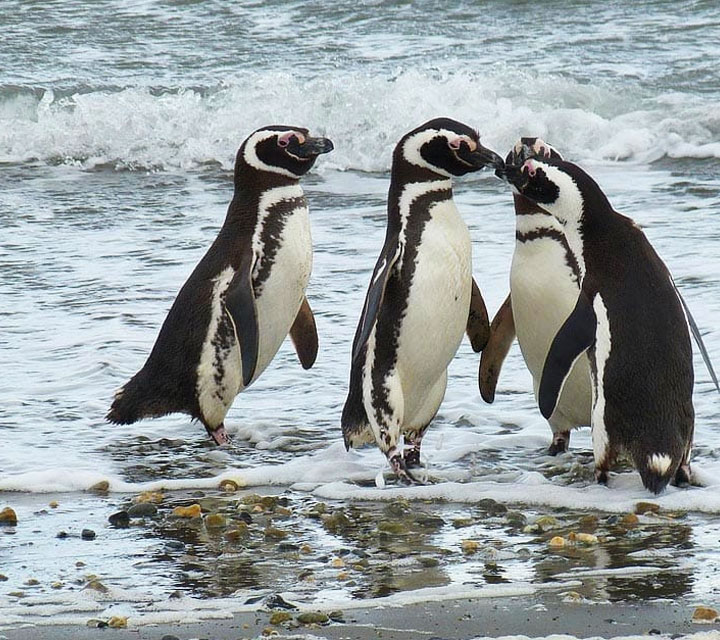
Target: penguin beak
pixel 310 148
pixel 480 157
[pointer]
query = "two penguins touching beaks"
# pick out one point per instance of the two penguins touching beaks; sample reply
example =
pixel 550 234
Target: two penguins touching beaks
pixel 599 321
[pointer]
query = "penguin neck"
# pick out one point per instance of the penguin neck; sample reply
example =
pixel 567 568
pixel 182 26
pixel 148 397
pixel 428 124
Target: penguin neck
pixel 250 187
pixel 407 184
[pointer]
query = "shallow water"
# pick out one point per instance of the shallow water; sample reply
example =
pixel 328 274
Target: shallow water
pixel 119 125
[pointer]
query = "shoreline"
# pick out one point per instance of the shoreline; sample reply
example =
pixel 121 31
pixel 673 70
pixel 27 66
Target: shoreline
pixel 540 615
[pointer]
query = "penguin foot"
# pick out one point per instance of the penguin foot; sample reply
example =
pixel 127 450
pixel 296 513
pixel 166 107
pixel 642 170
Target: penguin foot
pixel 399 467
pixel 220 436
pixel 601 475
pixel 412 456
pixel 683 477
pixel 560 443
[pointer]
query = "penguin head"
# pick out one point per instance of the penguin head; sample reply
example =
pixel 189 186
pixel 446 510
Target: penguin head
pixel 446 148
pixel 551 183
pixel 526 148
pixel 281 149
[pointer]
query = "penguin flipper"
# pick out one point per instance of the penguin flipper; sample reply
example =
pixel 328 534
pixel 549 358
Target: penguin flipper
pixel 376 292
pixel 478 325
pixel 698 338
pixel 576 336
pixel 240 304
pixel 502 334
pixel 303 334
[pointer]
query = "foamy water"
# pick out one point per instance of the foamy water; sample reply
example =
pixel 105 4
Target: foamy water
pixel 115 173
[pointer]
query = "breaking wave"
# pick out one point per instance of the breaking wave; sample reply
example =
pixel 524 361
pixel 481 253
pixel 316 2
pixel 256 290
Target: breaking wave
pixel 162 128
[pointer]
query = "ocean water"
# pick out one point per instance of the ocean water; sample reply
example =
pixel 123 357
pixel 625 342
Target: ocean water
pixel 119 122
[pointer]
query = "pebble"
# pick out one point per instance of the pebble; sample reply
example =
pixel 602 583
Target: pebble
pixel 236 533
pixel 557 541
pixel 175 545
pixel 336 521
pixel 121 519
pixel 428 561
pixel 100 487
pixel 516 519
pixel 629 520
pixel 278 617
pixel 646 507
pixel 118 622
pixel 193 511
pixel 337 563
pixel 142 510
pixel 306 548
pixel 582 538
pixel 53 504
pixel 469 546
pixel 245 517
pixel 460 523
pixel 275 533
pixel 8 517
pixel 169 637
pixel 87 534
pixel 3 578
pixel 493 507
pixel 313 617
pixel 94 623
pixel 269 631
pixel 215 521
pixel 155 497
pixel 229 486
pixel 705 615
pixel 389 526
pixel 546 523
pixel 96 585
pixel 61 534
pixel 31 582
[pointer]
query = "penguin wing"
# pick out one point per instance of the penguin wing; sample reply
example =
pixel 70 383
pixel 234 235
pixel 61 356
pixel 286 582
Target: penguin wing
pixel 478 326
pixel 576 335
pixel 376 292
pixel 695 330
pixel 240 304
pixel 303 334
pixel 502 334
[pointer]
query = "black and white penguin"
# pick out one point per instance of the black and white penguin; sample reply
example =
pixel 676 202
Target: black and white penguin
pixel 421 298
pixel 628 318
pixel 544 286
pixel 243 297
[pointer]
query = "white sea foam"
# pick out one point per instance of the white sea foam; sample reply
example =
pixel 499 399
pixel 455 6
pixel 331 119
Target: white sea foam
pixel 135 127
pixel 332 473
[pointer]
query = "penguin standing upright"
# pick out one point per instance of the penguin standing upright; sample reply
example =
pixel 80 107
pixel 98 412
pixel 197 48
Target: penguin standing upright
pixel 243 297
pixel 421 298
pixel 544 286
pixel 629 318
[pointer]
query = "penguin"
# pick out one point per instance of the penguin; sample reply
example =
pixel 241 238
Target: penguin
pixel 544 285
pixel 628 318
pixel 244 296
pixel 422 297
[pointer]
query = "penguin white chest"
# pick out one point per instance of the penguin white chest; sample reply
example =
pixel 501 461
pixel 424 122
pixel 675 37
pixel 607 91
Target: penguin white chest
pixel 544 291
pixel 439 299
pixel 282 292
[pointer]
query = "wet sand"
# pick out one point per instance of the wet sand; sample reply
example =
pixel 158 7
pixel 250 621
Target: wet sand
pixel 537 616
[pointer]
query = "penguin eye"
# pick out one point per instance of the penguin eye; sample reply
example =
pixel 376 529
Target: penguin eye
pixel 285 138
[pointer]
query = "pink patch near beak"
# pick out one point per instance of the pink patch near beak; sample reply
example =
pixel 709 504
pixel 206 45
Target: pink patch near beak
pixel 530 166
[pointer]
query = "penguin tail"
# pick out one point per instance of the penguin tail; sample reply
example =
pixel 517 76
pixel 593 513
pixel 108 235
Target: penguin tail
pixel 657 470
pixel 138 399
